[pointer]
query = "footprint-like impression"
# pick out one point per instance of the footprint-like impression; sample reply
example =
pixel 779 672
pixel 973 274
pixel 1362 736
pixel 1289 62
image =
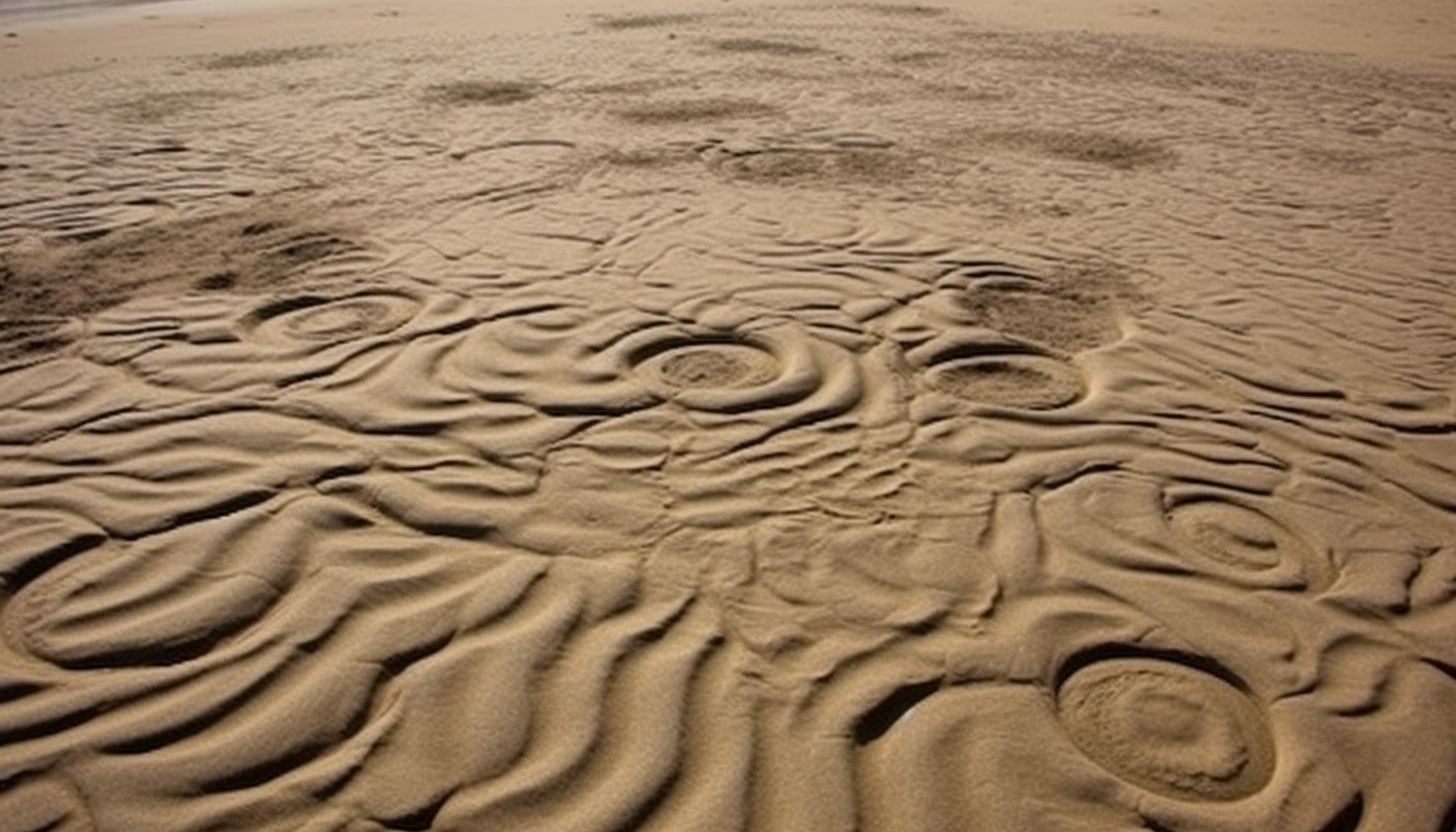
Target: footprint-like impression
pixel 1168 728
pixel 322 319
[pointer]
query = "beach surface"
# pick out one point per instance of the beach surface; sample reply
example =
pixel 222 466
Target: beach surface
pixel 1011 416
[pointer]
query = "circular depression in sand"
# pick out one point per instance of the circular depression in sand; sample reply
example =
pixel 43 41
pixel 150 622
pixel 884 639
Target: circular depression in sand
pixel 715 365
pixel 1026 382
pixel 1231 534
pixel 728 372
pixel 1243 544
pixel 315 319
pixel 1168 728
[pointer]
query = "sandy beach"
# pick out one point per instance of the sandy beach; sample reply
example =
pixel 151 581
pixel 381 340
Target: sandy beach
pixel 875 417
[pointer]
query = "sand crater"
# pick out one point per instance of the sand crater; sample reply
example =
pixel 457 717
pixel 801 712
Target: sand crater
pixel 698 371
pixel 1022 381
pixel 327 320
pixel 716 365
pixel 1168 728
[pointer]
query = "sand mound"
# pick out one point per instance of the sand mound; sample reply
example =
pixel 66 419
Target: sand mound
pixel 843 418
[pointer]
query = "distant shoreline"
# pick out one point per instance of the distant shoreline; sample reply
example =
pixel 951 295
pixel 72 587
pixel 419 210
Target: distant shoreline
pixel 32 9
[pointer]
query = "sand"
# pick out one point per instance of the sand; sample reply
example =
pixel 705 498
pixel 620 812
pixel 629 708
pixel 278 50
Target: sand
pixel 462 416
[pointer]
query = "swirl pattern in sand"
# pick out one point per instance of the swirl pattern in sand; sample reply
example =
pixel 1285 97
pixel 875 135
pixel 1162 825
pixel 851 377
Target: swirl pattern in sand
pixel 1169 728
pixel 788 418
pixel 331 319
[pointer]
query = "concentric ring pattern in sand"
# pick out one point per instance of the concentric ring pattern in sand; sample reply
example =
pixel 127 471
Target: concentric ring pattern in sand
pixel 838 419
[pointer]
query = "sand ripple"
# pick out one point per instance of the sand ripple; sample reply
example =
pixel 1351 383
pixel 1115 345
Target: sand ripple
pixel 851 420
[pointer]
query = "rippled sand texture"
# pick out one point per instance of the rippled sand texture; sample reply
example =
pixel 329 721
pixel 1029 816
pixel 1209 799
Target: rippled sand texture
pixel 846 419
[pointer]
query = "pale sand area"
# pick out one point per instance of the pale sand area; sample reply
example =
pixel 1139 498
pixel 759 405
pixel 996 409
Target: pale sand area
pixel 457 416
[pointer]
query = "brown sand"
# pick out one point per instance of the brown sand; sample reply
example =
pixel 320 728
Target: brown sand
pixel 458 416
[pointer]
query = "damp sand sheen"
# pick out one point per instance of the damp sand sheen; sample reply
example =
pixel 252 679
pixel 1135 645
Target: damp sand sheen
pixel 745 416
